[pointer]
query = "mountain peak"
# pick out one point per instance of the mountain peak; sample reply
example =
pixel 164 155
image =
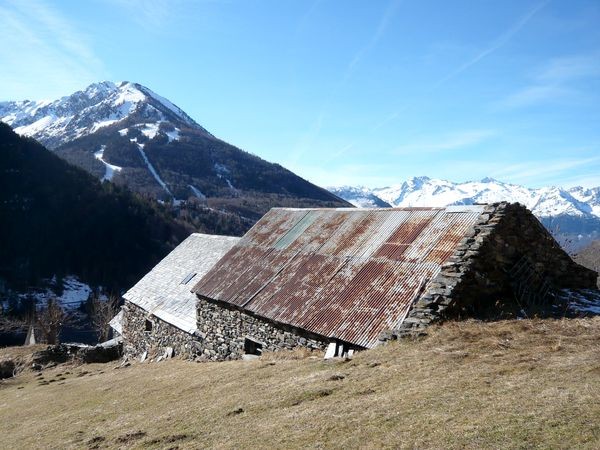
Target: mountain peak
pixel 489 180
pixel 99 105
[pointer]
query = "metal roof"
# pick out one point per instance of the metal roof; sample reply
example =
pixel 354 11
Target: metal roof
pixel 344 273
pixel 165 291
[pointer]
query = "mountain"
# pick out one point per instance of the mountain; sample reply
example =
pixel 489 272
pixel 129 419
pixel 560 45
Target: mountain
pixel 572 215
pixel 132 136
pixel 59 220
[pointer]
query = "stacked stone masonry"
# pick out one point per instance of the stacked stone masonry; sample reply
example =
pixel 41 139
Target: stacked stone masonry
pixel 222 333
pixel 137 341
pixel 476 278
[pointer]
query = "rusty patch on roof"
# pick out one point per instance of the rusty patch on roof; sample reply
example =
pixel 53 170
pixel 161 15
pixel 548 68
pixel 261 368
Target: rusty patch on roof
pixel 340 273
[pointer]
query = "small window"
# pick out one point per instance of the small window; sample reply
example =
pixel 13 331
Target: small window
pixel 251 347
pixel 188 277
pixel 148 326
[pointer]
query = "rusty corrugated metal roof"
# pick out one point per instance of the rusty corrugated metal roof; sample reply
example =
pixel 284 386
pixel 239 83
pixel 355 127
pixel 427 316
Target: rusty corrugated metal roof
pixel 345 274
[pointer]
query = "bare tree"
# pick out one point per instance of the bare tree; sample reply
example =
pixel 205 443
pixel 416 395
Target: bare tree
pixel 101 312
pixel 50 320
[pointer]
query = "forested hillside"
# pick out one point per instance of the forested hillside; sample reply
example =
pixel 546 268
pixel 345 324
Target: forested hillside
pixel 57 219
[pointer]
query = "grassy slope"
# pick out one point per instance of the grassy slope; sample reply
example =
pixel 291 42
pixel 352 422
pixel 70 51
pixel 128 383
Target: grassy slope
pixel 504 385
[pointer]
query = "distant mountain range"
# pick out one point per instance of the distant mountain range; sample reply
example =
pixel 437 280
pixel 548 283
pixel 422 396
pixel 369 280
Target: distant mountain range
pixel 572 215
pixel 132 136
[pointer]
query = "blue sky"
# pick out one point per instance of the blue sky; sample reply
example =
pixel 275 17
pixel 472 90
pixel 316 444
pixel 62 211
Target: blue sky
pixel 342 92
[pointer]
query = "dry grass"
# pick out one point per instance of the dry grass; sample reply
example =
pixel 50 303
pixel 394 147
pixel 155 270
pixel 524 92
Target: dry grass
pixel 517 384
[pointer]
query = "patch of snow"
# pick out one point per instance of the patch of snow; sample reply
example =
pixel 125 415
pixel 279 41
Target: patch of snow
pixel 102 124
pixel 582 301
pixel 197 192
pixel 173 135
pixel 124 131
pixel 153 170
pixel 74 293
pixel 173 108
pixel 221 169
pixel 221 172
pixel 110 168
pixel 150 130
pixel 35 127
pixel 128 95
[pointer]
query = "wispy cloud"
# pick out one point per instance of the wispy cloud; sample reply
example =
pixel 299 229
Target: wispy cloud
pixel 495 45
pixel 43 51
pixel 556 80
pixel 451 141
pixel 498 43
pixel 538 171
pixel 153 15
pixel 382 26
pixel 533 95
pixel 312 133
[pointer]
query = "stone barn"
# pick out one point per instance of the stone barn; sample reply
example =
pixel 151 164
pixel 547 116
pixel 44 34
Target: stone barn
pixel 160 310
pixel 346 279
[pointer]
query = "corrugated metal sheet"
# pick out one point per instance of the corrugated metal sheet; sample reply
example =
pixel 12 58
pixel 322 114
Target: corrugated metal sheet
pixel 164 292
pixel 346 274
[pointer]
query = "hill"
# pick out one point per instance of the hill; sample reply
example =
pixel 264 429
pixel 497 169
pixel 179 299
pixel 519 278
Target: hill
pixel 571 215
pixel 515 384
pixel 128 134
pixel 59 220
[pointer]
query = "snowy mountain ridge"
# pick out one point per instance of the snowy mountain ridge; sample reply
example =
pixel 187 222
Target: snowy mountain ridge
pixel 424 191
pixel 100 105
pixel 572 215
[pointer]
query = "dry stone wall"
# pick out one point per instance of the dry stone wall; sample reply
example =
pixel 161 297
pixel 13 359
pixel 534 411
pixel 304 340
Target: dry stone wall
pixel 136 340
pixel 507 248
pixel 222 332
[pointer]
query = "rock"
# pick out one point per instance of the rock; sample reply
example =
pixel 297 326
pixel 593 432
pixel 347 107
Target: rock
pixel 53 354
pixel 100 353
pixel 7 368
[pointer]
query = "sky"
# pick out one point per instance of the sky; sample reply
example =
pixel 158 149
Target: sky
pixel 342 92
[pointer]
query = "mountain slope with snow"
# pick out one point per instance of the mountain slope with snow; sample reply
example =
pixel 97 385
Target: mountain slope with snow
pixel 572 214
pixel 100 105
pixel 129 135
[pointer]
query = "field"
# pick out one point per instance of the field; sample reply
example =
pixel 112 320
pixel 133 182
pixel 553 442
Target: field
pixel 513 384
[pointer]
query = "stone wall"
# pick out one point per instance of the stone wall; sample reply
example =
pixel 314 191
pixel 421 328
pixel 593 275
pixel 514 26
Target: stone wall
pixel 222 331
pixel 136 340
pixel 485 275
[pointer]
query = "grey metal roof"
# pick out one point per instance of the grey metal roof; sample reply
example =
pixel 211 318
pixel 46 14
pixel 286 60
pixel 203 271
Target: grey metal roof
pixel 116 323
pixel 343 273
pixel 165 290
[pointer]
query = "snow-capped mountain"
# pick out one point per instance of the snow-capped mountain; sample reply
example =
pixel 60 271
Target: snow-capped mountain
pixel 100 105
pixel 125 133
pixel 571 214
pixel 361 197
pixel 425 191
